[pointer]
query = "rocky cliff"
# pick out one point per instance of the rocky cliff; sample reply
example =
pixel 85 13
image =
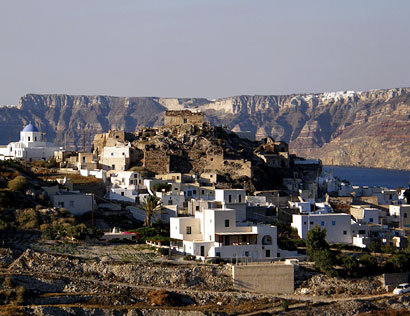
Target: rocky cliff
pixel 349 128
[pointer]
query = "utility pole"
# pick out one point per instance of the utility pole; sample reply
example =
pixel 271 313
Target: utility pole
pixel 92 213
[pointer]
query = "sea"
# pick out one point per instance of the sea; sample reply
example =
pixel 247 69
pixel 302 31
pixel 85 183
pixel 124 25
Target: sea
pixel 371 177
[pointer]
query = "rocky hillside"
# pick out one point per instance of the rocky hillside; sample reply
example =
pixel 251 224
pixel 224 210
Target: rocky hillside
pixel 349 128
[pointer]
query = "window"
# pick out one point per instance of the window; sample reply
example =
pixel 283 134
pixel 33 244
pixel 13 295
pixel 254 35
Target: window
pixel 311 223
pixel 188 230
pixel 71 203
pixel 123 154
pixel 203 192
pixel 197 208
pixel 83 159
pixel 333 223
pixel 371 219
pixel 246 253
pixel 345 232
pixel 210 237
pixel 35 138
pixel 60 204
pixel 170 202
pixel 112 154
pixel 135 176
pixel 267 253
pixel 304 223
pixel 189 193
pixel 177 177
pixel 230 198
pixel 193 191
pixel 185 120
pixel 218 254
pixel 244 238
pixel 322 223
pixel 122 193
pixel 113 167
pixel 240 198
pixel 28 138
pixel 405 215
pixel 227 223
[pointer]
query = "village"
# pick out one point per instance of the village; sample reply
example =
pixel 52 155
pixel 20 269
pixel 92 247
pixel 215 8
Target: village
pixel 224 198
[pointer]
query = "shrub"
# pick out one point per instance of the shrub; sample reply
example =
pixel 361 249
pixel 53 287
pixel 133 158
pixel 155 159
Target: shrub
pixel 350 266
pixel 189 258
pixel 78 232
pixel 285 306
pixel 369 263
pixel 20 295
pixel 144 233
pixel 28 219
pixel 19 183
pixel 8 283
pixel 400 261
pixel 163 251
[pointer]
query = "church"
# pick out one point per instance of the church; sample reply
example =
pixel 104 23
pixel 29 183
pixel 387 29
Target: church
pixel 32 146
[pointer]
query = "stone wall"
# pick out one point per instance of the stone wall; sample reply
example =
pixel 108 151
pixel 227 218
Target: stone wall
pixel 264 278
pixel 173 118
pixel 156 161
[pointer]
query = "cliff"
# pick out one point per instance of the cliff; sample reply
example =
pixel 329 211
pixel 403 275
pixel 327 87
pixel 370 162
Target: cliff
pixel 349 128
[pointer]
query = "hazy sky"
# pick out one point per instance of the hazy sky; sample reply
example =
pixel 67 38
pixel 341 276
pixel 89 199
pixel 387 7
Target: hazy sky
pixel 202 48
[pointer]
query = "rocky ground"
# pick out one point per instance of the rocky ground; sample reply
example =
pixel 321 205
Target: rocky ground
pixel 97 280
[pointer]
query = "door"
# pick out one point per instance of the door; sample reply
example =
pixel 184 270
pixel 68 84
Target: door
pixel 202 251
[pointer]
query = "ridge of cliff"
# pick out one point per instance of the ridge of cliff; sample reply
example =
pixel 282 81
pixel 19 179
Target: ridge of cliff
pixel 367 128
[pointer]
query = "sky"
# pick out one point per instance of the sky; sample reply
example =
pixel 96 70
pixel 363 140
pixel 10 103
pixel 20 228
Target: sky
pixel 201 48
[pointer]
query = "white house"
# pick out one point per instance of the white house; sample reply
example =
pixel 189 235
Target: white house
pixel 32 146
pixel 116 157
pixel 400 214
pixel 338 226
pixel 214 233
pixel 365 214
pixel 125 185
pixel 75 202
pixel 233 199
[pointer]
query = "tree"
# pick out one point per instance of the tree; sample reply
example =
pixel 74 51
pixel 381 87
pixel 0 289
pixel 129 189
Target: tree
pixel 400 261
pixel 315 240
pixel 151 204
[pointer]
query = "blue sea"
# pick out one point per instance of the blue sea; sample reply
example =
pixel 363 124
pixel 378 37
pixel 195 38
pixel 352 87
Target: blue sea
pixel 392 179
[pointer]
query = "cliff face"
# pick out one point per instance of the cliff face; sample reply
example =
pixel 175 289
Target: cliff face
pixel 353 128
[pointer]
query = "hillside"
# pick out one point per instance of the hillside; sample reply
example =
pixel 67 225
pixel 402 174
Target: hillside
pixel 349 128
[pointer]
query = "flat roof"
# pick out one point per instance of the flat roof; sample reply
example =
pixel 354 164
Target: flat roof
pixel 237 233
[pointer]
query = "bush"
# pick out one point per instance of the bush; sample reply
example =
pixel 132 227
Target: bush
pixel 143 233
pixel 19 183
pixel 350 266
pixel 163 251
pixel 189 258
pixel 28 219
pixel 285 306
pixel 400 261
pixel 78 232
pixel 369 263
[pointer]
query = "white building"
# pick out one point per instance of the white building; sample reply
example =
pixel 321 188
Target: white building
pixel 75 202
pixel 125 186
pixel 400 214
pixel 116 157
pixel 214 233
pixel 338 226
pixel 32 146
pixel 233 199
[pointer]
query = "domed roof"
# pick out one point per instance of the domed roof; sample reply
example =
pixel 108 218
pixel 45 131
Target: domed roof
pixel 30 128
